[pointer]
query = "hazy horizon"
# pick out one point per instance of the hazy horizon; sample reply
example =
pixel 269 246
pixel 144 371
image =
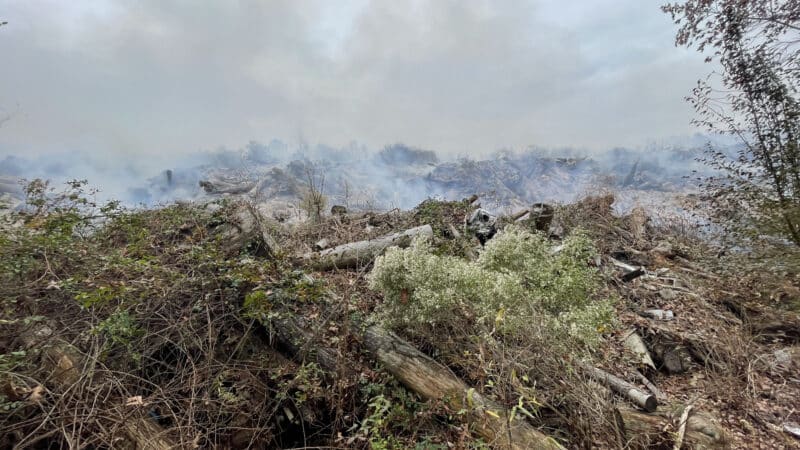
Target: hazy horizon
pixel 126 80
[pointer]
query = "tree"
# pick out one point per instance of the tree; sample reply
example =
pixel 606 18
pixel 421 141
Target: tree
pixel 754 97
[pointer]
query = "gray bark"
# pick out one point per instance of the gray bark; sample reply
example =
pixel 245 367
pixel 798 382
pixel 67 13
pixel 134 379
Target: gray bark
pixel 638 397
pixel 362 253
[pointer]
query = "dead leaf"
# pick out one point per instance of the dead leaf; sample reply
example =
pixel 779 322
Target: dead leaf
pixel 13 392
pixel 37 394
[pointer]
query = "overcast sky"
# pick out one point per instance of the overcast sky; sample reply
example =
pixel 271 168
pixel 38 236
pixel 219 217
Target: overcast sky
pixel 164 77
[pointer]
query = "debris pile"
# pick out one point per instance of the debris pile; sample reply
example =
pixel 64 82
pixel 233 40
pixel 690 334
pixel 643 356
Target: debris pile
pixel 219 325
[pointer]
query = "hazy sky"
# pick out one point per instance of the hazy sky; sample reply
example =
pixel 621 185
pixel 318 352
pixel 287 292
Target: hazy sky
pixel 162 76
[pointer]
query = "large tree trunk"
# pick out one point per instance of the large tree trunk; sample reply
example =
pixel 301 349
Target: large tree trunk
pixel 434 381
pixel 362 253
pixel 658 429
pixel 66 365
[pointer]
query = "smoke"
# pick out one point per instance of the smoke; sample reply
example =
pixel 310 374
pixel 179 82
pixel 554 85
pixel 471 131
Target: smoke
pixel 396 175
pixel 153 77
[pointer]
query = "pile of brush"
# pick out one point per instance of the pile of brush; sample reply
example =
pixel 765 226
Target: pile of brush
pixel 211 325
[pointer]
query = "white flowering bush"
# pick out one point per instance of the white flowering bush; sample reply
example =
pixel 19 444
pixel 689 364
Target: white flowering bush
pixel 520 283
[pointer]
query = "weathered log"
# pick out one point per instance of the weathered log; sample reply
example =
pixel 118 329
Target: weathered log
pixel 518 215
pixel 454 231
pixel 637 220
pixel 321 244
pixel 651 387
pixel 658 314
pixel 434 381
pixel 682 427
pixel 635 344
pixel 361 253
pixel 422 375
pixel 647 402
pixel 298 341
pixel 658 429
pixel 247 227
pixel 66 365
pixel 629 272
pixel 226 187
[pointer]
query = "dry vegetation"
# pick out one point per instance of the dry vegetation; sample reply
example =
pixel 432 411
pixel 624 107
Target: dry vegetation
pixel 194 326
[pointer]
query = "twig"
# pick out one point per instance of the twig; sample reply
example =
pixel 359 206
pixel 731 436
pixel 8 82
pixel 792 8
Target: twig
pixel 682 428
pixel 651 386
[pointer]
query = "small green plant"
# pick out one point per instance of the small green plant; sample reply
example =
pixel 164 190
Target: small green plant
pixel 518 281
pixel 120 328
pixel 100 296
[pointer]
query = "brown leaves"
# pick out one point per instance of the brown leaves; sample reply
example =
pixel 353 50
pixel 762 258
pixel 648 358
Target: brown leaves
pixel 17 393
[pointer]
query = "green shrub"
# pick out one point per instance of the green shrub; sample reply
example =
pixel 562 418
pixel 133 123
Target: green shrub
pixel 519 284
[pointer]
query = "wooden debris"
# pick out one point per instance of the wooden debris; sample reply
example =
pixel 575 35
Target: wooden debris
pixel 321 244
pixel 454 231
pixel 675 350
pixel 682 428
pixel 362 253
pixel 792 428
pixel 651 387
pixel 423 375
pixel 542 216
pixel 647 402
pixel 635 344
pixel 482 224
pixel 518 215
pixel 629 272
pixel 434 381
pixel 658 314
pixel 246 228
pixel 637 220
pixel 657 430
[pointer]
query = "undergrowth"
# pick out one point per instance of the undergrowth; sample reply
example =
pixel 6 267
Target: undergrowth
pixel 520 284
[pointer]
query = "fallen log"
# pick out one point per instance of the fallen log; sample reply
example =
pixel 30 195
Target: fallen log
pixel 433 381
pixel 647 402
pixel 226 187
pixel 421 374
pixel 362 253
pixel 298 341
pixel 659 429
pixel 66 365
pixel 651 387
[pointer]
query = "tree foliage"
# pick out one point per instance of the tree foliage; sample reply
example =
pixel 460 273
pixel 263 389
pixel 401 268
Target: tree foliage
pixel 753 97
